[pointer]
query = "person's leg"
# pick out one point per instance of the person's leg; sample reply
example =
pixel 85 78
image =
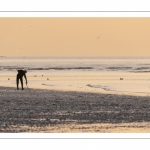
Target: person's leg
pixel 21 79
pixel 17 81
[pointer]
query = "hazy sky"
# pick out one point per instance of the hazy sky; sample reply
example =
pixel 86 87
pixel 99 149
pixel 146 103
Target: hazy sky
pixel 75 36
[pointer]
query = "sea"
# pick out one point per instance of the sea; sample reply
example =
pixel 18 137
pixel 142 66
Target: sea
pixel 111 75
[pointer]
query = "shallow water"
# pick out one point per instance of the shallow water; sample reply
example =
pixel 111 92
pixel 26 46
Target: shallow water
pixel 99 74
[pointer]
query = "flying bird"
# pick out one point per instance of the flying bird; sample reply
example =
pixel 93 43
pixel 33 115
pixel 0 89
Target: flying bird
pixel 98 37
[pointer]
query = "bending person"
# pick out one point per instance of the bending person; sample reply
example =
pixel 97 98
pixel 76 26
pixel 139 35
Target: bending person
pixel 20 75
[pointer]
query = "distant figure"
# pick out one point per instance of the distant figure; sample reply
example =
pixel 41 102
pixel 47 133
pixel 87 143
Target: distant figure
pixel 8 79
pixel 20 75
pixel 121 78
pixel 47 78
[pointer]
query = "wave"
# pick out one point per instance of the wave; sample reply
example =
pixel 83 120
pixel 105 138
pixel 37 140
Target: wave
pixel 131 69
pixel 119 68
pixel 141 71
pixel 61 68
pixel 11 68
pixel 142 68
pixel 103 68
pixel 48 68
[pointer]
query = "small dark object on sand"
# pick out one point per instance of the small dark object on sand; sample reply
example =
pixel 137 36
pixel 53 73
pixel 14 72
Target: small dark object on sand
pixel 35 76
pixel 47 78
pixel 42 75
pixel 8 79
pixel 121 78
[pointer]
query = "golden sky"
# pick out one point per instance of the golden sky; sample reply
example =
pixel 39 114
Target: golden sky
pixel 75 36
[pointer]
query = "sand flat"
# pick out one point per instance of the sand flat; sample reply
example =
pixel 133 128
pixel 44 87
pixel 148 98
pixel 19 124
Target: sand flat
pixel 39 110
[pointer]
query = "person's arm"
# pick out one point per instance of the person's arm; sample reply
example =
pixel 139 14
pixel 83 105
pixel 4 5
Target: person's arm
pixel 25 78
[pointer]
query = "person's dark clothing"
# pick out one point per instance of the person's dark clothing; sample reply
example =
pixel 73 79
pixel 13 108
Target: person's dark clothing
pixel 20 75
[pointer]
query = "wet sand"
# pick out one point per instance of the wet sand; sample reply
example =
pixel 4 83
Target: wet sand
pixel 39 110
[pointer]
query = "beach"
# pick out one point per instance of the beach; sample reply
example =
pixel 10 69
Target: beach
pixel 47 111
pixel 82 74
pixel 75 94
